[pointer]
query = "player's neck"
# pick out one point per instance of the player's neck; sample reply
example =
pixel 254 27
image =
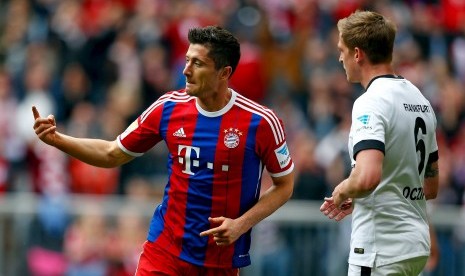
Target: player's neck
pixel 374 71
pixel 215 101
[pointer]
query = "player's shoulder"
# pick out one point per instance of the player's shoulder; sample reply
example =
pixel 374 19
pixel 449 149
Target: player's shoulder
pixel 272 125
pixel 176 96
pixel 253 107
pixel 386 90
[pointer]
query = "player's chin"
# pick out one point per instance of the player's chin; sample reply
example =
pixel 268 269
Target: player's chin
pixel 189 90
pixel 348 77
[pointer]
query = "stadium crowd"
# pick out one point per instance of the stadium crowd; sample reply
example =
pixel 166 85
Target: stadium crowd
pixel 97 64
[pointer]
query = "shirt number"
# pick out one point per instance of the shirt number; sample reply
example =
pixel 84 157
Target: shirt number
pixel 420 144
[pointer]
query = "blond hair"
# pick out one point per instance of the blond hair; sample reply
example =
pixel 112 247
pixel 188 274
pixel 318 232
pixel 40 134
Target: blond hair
pixel 371 32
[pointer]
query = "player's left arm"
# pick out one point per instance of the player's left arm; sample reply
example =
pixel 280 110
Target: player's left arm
pixel 229 230
pixel 363 179
pixel 278 194
pixel 431 186
pixel 431 178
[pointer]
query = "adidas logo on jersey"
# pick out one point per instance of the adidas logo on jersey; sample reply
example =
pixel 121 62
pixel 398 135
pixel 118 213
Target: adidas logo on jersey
pixel 179 133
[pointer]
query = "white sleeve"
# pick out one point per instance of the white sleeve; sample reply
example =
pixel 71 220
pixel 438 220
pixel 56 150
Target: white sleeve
pixel 369 123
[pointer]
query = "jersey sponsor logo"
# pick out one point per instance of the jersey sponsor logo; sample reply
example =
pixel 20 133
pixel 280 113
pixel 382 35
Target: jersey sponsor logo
pixel 413 193
pixel 283 156
pixel 179 133
pixel 187 159
pixel 365 119
pixel 190 157
pixel 358 250
pixel 423 108
pixel 129 129
pixel 231 137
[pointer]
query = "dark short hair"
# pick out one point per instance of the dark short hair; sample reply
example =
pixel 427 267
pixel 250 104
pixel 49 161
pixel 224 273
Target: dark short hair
pixel 224 48
pixel 371 32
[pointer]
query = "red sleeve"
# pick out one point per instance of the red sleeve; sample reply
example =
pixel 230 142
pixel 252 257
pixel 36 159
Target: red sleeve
pixel 143 133
pixel 272 148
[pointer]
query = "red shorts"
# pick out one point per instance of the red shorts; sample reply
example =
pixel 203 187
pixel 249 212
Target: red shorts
pixel 155 261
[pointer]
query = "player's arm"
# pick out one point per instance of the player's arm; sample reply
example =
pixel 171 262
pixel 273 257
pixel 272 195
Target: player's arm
pixel 278 194
pixel 95 152
pixel 231 229
pixel 363 179
pixel 431 186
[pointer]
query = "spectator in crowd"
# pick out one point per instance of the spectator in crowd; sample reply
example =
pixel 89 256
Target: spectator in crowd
pixel 85 243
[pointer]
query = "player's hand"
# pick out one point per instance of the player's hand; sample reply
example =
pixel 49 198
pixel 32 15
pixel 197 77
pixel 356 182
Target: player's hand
pixel 332 211
pixel 226 233
pixel 338 194
pixel 45 128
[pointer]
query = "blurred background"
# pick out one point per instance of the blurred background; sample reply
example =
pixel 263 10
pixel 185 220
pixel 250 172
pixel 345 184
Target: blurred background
pixel 97 64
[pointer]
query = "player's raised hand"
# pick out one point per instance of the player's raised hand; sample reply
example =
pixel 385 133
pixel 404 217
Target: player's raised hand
pixel 332 211
pixel 226 233
pixel 45 128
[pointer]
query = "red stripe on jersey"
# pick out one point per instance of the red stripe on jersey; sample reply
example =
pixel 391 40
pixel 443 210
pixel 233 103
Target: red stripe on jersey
pixel 226 193
pixel 266 113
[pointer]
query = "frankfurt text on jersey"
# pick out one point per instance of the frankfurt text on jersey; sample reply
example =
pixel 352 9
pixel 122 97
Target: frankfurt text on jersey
pixel 416 108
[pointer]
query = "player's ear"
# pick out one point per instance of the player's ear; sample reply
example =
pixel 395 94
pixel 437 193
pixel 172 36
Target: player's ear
pixel 358 54
pixel 226 72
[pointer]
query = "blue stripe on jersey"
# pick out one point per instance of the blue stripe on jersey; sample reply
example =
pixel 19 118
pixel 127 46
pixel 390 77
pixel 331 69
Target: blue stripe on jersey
pixel 168 108
pixel 250 190
pixel 157 223
pixel 250 175
pixel 200 187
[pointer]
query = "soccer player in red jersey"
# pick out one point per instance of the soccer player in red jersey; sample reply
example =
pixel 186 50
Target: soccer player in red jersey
pixel 219 142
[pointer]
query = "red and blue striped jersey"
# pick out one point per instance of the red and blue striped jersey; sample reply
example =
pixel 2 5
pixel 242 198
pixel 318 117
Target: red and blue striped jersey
pixel 215 166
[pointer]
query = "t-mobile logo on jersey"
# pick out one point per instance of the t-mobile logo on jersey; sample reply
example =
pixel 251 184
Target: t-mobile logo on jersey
pixel 189 163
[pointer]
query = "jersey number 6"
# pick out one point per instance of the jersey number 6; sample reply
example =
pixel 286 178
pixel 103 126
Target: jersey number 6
pixel 420 144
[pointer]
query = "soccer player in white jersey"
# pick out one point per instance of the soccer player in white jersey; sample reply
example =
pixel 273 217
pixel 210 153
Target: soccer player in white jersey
pixel 394 154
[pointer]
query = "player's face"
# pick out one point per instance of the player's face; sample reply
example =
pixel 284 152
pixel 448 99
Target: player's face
pixel 202 78
pixel 346 57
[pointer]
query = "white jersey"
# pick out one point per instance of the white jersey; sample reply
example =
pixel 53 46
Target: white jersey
pixel 391 223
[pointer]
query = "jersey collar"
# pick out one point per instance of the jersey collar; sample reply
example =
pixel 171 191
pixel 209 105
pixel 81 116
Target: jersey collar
pixel 220 112
pixel 390 76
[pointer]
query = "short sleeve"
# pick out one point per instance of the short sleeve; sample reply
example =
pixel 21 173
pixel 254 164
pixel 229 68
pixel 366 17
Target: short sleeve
pixel 273 149
pixel 369 123
pixel 143 133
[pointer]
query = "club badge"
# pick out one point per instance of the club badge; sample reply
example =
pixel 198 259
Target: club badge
pixel 232 137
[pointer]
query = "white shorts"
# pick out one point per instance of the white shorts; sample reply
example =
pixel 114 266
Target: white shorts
pixel 410 267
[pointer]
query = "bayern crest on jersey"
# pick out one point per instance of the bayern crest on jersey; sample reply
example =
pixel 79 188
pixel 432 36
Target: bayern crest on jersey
pixel 232 137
